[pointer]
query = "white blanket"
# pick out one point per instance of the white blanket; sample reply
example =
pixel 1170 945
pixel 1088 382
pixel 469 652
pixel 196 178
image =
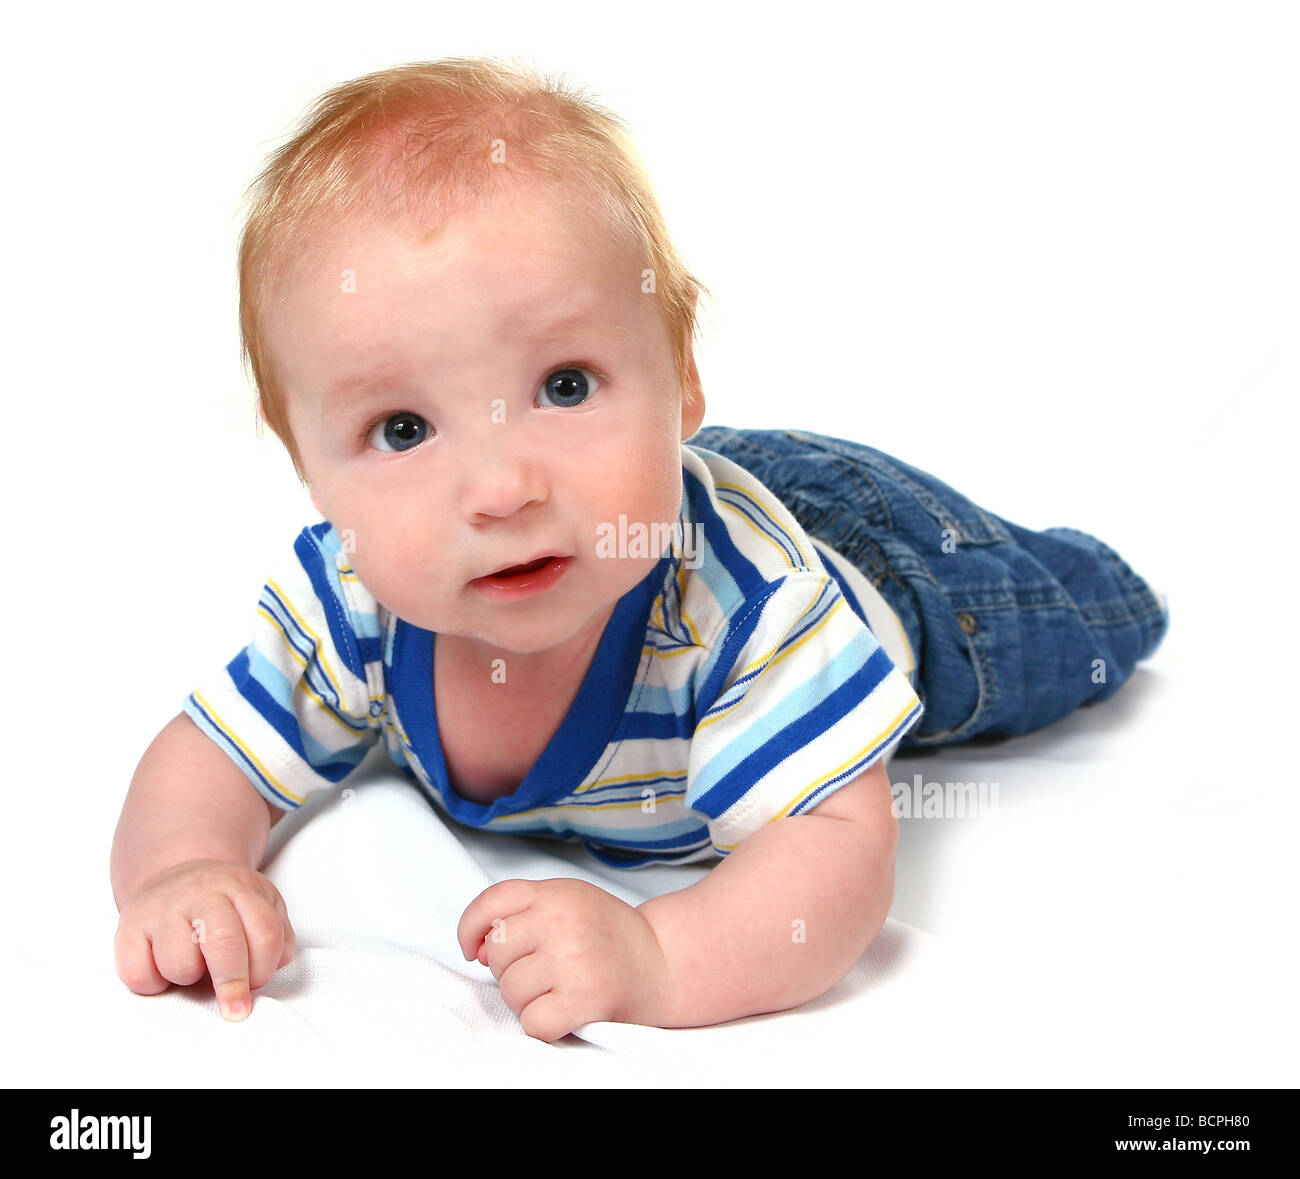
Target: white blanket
pixel 1092 937
pixel 375 881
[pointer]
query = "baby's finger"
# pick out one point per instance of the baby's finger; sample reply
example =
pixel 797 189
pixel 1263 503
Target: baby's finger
pixel 549 1017
pixel 496 902
pixel 176 946
pixel 290 938
pixel 226 953
pixel 263 935
pixel 509 941
pixel 526 979
pixel 133 954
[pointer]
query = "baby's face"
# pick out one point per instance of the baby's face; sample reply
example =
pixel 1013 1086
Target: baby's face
pixel 473 402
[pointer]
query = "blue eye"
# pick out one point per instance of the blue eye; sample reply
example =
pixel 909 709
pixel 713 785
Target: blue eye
pixel 401 431
pixel 569 386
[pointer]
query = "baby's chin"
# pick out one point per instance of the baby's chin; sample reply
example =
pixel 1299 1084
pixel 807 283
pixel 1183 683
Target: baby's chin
pixel 537 634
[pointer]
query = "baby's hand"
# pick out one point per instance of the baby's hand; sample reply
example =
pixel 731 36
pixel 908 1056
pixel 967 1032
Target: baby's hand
pixel 204 914
pixel 566 953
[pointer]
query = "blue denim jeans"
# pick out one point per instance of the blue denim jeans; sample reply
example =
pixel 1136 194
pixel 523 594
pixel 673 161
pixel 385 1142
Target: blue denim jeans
pixel 1012 629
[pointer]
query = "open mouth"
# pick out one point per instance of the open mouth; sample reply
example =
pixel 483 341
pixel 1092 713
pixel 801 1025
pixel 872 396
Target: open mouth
pixel 517 570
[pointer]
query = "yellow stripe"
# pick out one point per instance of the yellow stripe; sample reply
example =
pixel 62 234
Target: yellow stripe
pixel 834 773
pixel 681 598
pixel 589 807
pixel 771 660
pixel 230 736
pixel 671 653
pixel 332 679
pixel 326 707
pixel 659 614
pixel 391 713
pixel 624 778
pixel 745 494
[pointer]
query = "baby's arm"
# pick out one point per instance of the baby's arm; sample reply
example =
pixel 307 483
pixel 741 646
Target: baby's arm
pixel 786 915
pixel 188 801
pixel 191 835
pixel 780 920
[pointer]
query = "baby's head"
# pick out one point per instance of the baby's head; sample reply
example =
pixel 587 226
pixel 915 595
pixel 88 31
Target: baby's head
pixel 468 325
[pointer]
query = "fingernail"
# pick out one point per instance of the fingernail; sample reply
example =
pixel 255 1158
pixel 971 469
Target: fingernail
pixel 235 1011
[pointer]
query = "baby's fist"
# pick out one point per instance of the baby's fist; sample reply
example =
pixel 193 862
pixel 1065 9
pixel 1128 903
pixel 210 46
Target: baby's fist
pixel 204 915
pixel 566 953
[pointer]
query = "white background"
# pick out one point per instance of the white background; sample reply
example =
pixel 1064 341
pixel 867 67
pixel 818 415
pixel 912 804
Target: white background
pixel 1048 252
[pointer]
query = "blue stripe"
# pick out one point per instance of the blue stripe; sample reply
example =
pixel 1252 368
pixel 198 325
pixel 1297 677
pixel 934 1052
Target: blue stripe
pixel 323 578
pixel 664 700
pixel 638 838
pixel 818 795
pixel 609 855
pixel 659 726
pixel 610 793
pixel 833 568
pixel 271 676
pixel 729 652
pixel 336 764
pixel 742 574
pixel 821 606
pixel 198 714
pixel 750 726
pixel 305 646
pixel 794 736
pixel 764 523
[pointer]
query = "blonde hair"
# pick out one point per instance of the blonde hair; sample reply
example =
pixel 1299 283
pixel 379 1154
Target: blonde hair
pixel 419 140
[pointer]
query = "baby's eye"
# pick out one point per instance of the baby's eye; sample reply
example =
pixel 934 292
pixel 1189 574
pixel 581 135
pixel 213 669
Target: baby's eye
pixel 401 431
pixel 569 386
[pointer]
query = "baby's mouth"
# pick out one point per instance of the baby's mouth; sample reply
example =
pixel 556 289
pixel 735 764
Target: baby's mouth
pixel 531 567
pixel 526 570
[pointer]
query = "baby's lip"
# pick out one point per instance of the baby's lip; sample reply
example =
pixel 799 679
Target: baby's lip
pixel 519 564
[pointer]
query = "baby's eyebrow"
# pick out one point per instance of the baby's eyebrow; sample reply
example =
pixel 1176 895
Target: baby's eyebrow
pixel 353 390
pixel 589 312
pixel 568 324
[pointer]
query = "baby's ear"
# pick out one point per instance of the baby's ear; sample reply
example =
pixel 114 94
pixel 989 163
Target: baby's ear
pixel 692 402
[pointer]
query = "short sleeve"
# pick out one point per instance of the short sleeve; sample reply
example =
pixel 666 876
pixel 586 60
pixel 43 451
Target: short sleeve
pixel 294 709
pixel 801 699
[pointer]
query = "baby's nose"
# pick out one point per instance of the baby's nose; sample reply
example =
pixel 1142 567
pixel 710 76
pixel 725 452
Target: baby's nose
pixel 497 481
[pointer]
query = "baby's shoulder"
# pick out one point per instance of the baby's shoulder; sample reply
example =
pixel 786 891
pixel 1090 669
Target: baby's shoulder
pixel 742 549
pixel 324 556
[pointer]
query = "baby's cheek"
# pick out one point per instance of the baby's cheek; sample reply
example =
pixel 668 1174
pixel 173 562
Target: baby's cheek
pixel 380 539
pixel 369 552
pixel 410 574
pixel 649 490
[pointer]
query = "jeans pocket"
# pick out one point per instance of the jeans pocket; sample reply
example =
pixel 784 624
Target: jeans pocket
pixel 965 632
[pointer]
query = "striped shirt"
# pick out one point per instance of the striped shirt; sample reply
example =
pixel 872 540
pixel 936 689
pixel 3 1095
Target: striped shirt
pixel 740 681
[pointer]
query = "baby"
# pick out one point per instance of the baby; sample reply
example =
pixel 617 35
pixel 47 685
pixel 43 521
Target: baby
pixel 467 323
